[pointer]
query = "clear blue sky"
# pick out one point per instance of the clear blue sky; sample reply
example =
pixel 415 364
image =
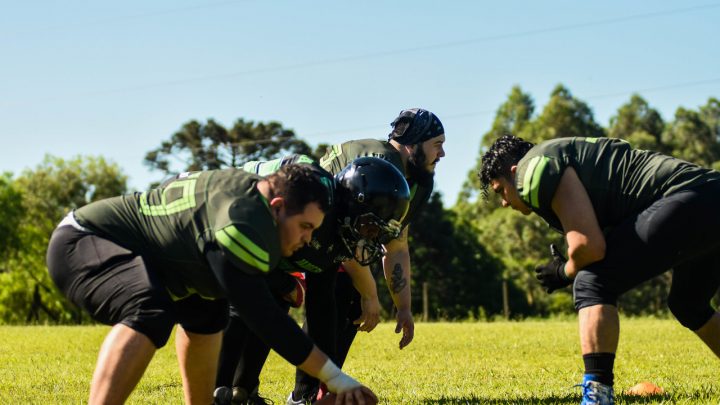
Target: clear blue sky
pixel 117 78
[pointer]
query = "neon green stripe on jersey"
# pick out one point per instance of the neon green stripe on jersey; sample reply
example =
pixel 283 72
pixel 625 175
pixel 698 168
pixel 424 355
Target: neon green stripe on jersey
pixel 243 248
pixel 591 140
pixel 334 153
pixel 531 181
pixel 186 202
pixel 536 177
pixel 304 159
pixel 525 193
pixel 306 265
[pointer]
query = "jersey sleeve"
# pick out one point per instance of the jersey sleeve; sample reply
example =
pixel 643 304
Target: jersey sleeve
pixel 537 177
pixel 271 166
pixel 244 248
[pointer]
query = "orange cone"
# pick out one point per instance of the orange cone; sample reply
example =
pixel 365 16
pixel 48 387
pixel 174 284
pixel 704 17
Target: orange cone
pixel 644 388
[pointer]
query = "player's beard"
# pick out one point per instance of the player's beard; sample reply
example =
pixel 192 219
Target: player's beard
pixel 418 168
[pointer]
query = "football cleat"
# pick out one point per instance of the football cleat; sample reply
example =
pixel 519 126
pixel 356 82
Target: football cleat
pixel 240 396
pixel 595 393
pixel 222 396
pixel 293 401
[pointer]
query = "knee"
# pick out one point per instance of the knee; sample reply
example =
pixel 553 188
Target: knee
pixel 690 315
pixel 156 326
pixel 201 316
pixel 588 290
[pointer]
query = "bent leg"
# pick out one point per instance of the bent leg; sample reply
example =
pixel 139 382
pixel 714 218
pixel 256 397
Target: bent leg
pixel 599 329
pixel 710 334
pixel 117 288
pixel 638 249
pixel 693 286
pixel 324 303
pixel 197 342
pixel 123 358
pixel 347 329
pixel 250 364
pixel 233 344
pixel 198 358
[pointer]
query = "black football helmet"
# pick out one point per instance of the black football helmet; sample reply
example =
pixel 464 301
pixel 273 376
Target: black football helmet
pixel 372 198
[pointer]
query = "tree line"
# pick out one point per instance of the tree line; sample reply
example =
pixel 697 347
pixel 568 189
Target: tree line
pixel 476 260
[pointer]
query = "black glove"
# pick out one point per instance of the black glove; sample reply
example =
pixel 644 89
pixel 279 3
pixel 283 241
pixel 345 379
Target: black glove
pixel 552 275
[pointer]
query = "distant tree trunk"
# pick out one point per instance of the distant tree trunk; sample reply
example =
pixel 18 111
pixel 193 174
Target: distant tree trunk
pixel 37 305
pixel 506 301
pixel 426 304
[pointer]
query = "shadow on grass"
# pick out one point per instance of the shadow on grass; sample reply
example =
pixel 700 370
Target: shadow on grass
pixel 644 399
pixel 553 399
pixel 701 396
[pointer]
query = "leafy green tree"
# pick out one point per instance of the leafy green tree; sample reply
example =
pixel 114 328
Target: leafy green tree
pixel 511 118
pixel 710 115
pixel 50 191
pixel 462 277
pixel 639 124
pixel 521 243
pixel 11 216
pixel 198 146
pixel 688 137
pixel 563 116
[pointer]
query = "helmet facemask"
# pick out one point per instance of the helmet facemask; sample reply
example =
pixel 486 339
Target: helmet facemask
pixel 365 236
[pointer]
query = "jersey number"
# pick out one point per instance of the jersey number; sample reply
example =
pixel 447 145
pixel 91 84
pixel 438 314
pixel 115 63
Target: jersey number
pixel 176 197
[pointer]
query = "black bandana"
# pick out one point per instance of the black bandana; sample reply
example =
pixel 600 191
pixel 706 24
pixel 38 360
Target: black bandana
pixel 424 125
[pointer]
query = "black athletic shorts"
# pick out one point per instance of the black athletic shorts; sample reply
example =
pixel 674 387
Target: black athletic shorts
pixel 682 232
pixel 116 285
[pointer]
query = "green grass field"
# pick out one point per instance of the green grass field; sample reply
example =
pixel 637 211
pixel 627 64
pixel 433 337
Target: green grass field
pixel 448 363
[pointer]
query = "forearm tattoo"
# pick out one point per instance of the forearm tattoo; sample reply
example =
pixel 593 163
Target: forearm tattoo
pixel 397 279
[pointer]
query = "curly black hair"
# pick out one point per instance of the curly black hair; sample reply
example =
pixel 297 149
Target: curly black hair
pixel 502 155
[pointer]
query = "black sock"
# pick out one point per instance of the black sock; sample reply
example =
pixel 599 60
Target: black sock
pixel 600 365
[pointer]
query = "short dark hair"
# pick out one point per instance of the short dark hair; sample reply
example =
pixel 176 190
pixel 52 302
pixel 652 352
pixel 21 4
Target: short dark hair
pixel 502 155
pixel 302 184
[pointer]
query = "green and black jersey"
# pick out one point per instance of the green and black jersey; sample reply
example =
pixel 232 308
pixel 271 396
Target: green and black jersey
pixel 340 155
pixel 264 168
pixel 171 226
pixel 620 181
pixel 326 250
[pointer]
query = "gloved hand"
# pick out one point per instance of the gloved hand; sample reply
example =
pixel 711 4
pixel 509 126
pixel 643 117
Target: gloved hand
pixel 552 274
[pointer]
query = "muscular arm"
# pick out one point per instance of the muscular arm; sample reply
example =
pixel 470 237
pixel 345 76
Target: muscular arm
pixel 256 306
pixel 571 204
pixel 396 266
pixel 364 283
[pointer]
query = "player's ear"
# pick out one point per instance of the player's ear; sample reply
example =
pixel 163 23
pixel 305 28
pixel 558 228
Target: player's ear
pixel 277 203
pixel 513 169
